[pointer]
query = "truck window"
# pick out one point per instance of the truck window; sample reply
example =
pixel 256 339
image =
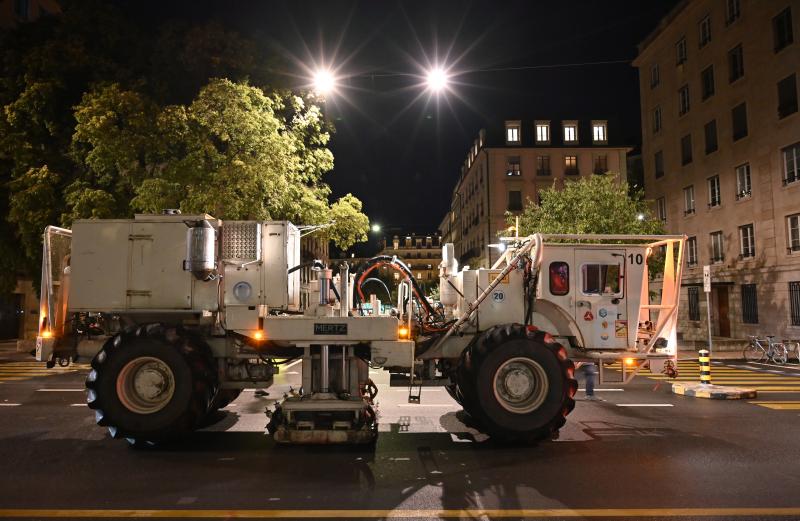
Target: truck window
pixel 559 278
pixel 600 279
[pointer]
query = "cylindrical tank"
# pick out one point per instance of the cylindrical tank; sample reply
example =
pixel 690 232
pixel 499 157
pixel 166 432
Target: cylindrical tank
pixel 448 268
pixel 201 258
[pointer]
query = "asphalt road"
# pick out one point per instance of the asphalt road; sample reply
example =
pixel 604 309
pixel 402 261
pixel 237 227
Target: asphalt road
pixel 640 452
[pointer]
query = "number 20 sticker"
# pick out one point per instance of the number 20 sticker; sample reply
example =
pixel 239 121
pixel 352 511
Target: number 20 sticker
pixel 498 296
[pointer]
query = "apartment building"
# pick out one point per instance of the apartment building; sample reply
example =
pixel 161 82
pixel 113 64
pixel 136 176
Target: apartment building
pixel 721 152
pixel 421 253
pixel 506 168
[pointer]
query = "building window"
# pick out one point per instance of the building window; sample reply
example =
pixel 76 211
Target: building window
pixel 601 164
pixel 686 149
pixel 599 131
pixel 655 77
pixel 542 132
pixel 787 96
pixel 571 165
pixel 512 132
pixel 793 227
pixel 707 82
pixel 782 29
pixel 743 187
pixel 680 51
pixel 747 241
pixel 710 131
pixel 512 168
pixel 791 164
pixel 705 31
pixel 514 201
pixel 683 100
pixel 688 200
pixel 739 120
pixel 559 278
pixel 732 11
pixel 749 304
pixel 694 302
pixel 713 192
pixel 735 63
pixel 600 279
pixel 691 251
pixel 717 254
pixel 543 165
pixel 661 208
pixel 657 120
pixel 794 302
pixel 658 159
pixel 570 132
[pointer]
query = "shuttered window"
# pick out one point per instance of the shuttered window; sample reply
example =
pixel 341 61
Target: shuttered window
pixel 694 303
pixel 749 304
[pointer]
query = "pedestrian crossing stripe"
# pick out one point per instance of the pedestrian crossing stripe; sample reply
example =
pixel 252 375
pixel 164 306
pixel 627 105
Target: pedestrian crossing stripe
pixel 18 371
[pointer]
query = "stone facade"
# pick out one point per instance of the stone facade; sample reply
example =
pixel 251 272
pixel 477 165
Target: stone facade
pixel 721 143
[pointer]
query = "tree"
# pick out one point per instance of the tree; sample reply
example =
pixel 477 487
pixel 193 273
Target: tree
pixel 234 152
pixel 596 204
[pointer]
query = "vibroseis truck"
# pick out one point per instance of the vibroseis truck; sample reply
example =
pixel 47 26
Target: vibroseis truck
pixel 185 311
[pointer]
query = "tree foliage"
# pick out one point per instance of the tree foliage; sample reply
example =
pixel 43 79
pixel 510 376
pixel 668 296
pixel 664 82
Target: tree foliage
pixel 596 204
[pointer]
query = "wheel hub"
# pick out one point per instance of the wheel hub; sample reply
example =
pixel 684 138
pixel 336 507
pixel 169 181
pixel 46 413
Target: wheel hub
pixel 145 385
pixel 520 385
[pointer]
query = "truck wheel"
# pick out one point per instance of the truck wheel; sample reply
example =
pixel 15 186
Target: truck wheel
pixel 518 385
pixel 149 385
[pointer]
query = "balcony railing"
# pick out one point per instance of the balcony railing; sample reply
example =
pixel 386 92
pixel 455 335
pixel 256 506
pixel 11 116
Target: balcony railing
pixel 688 211
pixel 743 194
pixel 571 171
pixel 791 178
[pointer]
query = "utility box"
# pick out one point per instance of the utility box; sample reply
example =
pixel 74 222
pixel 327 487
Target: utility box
pixel 128 265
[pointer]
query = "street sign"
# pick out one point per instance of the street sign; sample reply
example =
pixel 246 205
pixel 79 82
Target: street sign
pixel 707 279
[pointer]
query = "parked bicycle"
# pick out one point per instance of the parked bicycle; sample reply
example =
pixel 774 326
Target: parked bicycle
pixel 774 352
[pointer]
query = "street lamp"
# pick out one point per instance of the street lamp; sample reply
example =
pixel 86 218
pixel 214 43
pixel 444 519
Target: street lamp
pixel 437 80
pixel 376 228
pixel 640 217
pixel 324 82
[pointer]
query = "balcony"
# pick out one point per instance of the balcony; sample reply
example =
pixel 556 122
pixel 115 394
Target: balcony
pixel 743 194
pixel 688 212
pixel 571 171
pixel 791 178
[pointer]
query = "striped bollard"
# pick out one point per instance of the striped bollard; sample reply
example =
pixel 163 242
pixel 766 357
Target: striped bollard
pixel 705 367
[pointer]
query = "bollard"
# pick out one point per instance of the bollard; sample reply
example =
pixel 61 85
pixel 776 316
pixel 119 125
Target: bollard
pixel 705 367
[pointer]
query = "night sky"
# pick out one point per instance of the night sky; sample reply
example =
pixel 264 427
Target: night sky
pixel 397 148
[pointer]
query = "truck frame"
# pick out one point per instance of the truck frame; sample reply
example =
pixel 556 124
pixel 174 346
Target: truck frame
pixel 179 313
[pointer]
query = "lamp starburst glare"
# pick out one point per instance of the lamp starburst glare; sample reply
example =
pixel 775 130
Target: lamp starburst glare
pixel 324 82
pixel 437 79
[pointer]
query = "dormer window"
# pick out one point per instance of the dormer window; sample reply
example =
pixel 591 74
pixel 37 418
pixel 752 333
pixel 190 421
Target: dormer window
pixel 570 132
pixel 542 131
pixel 599 132
pixel 513 132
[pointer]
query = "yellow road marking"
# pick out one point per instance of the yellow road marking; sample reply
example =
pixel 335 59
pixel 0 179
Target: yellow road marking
pixel 403 513
pixel 778 406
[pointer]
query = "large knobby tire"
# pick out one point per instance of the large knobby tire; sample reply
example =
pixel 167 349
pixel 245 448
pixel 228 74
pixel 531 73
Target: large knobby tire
pixel 150 384
pixel 517 384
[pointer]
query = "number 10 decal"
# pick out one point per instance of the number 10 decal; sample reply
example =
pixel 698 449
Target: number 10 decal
pixel 636 259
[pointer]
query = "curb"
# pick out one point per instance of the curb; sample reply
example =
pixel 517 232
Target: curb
pixel 713 392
